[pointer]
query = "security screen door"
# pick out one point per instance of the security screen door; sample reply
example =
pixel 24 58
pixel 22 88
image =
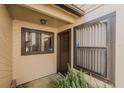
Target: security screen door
pixel 64 51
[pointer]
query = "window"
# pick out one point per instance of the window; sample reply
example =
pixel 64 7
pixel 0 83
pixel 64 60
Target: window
pixel 94 48
pixel 36 42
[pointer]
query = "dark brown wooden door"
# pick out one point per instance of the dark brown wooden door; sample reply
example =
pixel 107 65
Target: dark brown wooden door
pixel 64 51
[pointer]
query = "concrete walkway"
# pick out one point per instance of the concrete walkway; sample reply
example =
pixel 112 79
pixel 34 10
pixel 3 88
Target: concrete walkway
pixel 43 82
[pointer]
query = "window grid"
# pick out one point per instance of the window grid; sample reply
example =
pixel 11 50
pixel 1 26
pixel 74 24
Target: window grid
pixel 32 41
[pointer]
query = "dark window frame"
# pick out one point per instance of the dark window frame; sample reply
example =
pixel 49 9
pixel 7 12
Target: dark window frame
pixel 111 23
pixel 23 44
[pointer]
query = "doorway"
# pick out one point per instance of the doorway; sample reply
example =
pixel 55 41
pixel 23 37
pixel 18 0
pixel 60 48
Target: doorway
pixel 64 51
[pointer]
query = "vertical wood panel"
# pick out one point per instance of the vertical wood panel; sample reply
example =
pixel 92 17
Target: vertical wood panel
pixel 5 48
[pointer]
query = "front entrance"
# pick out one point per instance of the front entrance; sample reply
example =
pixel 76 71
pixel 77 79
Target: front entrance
pixel 64 51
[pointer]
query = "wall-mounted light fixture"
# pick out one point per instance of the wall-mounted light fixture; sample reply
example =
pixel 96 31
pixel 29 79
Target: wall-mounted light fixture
pixel 43 21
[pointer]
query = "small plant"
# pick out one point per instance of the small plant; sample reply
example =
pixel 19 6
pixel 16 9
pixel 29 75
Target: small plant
pixel 71 80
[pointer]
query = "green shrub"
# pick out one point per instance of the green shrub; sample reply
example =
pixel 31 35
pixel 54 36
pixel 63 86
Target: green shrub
pixel 71 80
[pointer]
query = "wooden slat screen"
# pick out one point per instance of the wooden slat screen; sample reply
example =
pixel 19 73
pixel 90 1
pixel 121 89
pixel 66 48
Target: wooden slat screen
pixel 91 48
pixel 94 47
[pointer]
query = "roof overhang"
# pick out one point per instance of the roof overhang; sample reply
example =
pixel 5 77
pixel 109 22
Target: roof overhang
pixel 51 11
pixel 72 9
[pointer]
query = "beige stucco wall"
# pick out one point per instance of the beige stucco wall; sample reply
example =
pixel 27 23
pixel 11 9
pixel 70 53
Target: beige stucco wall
pixel 27 68
pixel 5 48
pixel 103 10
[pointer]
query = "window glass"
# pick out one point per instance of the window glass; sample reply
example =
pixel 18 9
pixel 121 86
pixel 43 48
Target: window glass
pixel 46 42
pixel 34 41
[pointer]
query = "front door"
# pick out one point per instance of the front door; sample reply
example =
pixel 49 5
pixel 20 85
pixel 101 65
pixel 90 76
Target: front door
pixel 64 51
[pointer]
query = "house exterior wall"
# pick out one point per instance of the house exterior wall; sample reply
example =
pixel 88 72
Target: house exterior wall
pixel 5 48
pixel 27 68
pixel 30 67
pixel 119 59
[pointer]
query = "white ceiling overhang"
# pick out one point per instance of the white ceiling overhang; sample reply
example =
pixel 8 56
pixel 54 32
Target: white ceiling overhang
pixel 79 9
